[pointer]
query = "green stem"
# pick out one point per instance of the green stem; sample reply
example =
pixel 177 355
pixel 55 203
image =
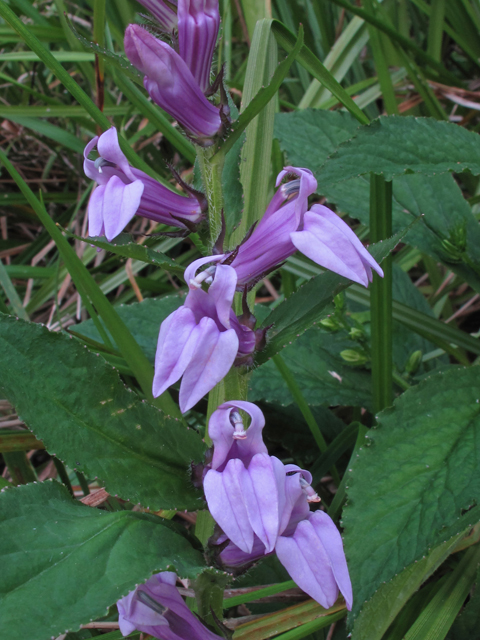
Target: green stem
pixel 384 78
pixel 381 296
pixel 211 167
pixel 304 408
pixel 435 29
pixel 83 483
pixel 19 467
pixel 209 588
pixel 62 474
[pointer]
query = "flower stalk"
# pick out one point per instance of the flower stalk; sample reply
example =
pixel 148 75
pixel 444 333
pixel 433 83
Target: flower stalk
pixel 211 166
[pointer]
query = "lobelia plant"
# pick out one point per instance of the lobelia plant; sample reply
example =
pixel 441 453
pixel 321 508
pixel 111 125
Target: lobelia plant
pixel 180 498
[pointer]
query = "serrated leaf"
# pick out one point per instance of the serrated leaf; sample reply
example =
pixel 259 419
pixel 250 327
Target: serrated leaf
pixel 324 377
pixel 73 401
pixel 142 319
pixel 134 251
pixel 395 145
pixel 413 479
pixel 382 609
pixel 309 137
pixel 311 303
pixel 65 563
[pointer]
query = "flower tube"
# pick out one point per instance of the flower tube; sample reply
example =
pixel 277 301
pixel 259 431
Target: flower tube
pixel 171 84
pixel 198 24
pixel 163 12
pixel 157 608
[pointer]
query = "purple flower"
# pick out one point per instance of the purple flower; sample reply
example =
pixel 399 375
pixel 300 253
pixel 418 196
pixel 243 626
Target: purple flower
pixel 318 233
pixel 158 609
pixel 203 339
pixel 314 558
pixel 165 15
pixel 262 506
pixel 123 191
pixel 172 85
pixel 198 24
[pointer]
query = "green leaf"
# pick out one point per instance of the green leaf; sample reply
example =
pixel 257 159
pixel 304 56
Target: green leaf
pixel 73 401
pixel 448 231
pixel 467 625
pixel 438 616
pixel 44 128
pixel 405 340
pixel 339 60
pixel 311 303
pixel 382 609
pixel 395 145
pixel 142 319
pixel 312 64
pixel 319 370
pixel 134 251
pixel 256 153
pixel 66 563
pixel 232 187
pixel 413 479
pixel 60 56
pixel 299 441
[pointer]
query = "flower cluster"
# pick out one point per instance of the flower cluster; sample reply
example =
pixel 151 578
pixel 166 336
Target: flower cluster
pixel 262 506
pixel 158 609
pixel 204 338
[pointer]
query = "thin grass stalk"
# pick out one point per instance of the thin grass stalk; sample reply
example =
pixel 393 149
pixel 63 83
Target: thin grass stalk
pixel 381 296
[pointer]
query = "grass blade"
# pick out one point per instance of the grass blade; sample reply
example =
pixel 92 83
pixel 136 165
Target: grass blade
pixel 312 64
pixel 381 297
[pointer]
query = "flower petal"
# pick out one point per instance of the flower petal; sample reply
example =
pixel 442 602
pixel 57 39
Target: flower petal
pixel 193 267
pixel 198 23
pixel 331 540
pixel 120 204
pixel 221 430
pixel 109 149
pixel 211 361
pixel 224 496
pixel 345 229
pixel 222 291
pixel 163 13
pixel 322 242
pixel 174 351
pixel 95 212
pixel 304 557
pixel 260 494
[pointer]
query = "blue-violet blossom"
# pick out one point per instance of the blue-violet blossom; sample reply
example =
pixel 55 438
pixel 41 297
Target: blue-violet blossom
pixel 172 85
pixel 288 225
pixel 198 22
pixel 262 506
pixel 157 608
pixel 124 191
pixel 202 339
